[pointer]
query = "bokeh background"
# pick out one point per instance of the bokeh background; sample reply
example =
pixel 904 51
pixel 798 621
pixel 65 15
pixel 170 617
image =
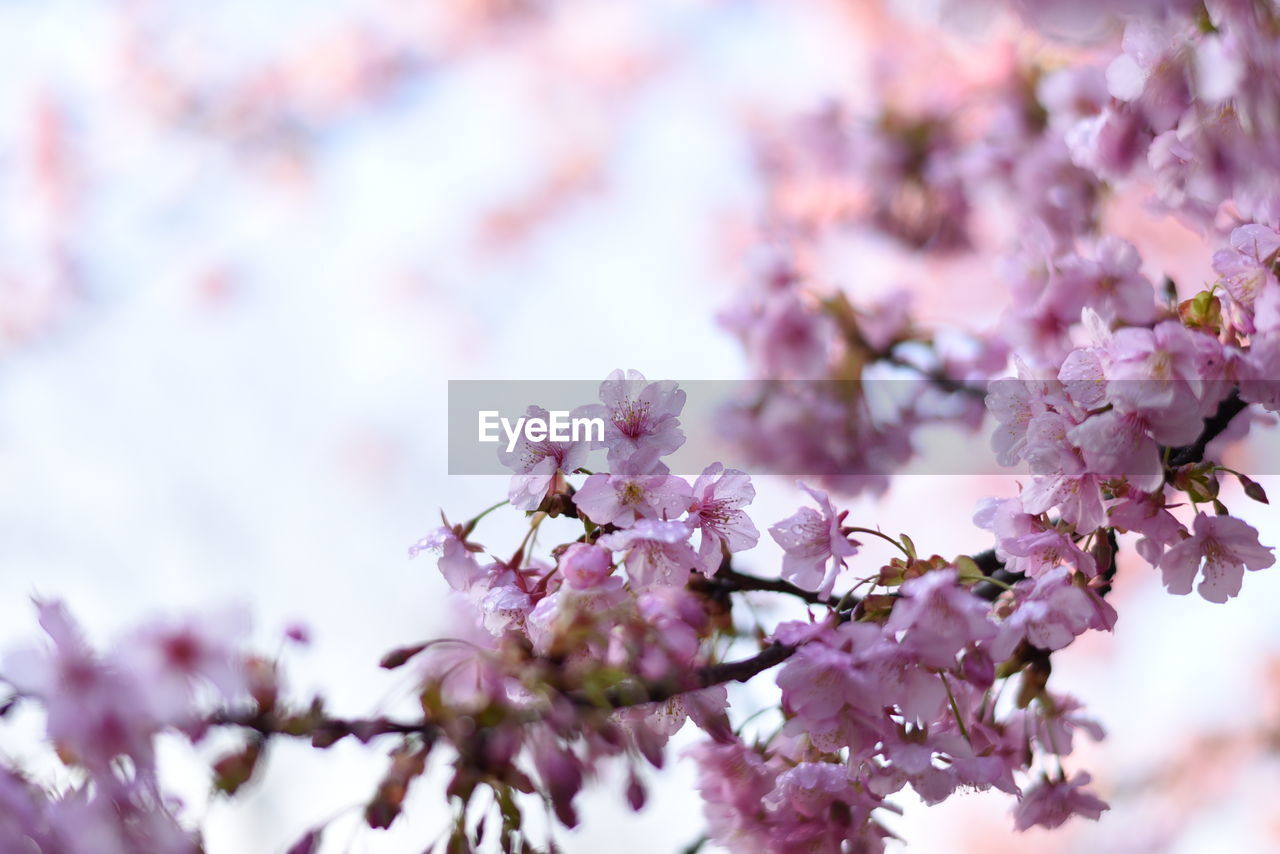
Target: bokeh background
pixel 244 246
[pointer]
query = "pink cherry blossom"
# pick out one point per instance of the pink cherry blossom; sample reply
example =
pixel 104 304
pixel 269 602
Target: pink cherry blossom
pixel 1261 381
pixel 813 543
pixel 641 421
pixel 944 618
pixel 95 711
pixel 536 464
pixel 833 694
pixel 1248 267
pixel 719 495
pixel 171 660
pixel 1051 802
pixel 1060 479
pixel 621 499
pixel 1147 516
pixel 733 781
pixel 1055 723
pixel 657 552
pixel 585 566
pixel 457 563
pixel 1015 402
pixel 1116 445
pixel 1050 613
pixel 1221 548
pixel 1157 372
pixel 1026 543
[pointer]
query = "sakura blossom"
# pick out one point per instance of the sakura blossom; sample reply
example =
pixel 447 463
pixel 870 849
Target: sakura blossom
pixel 624 498
pixel 641 420
pixel 538 464
pixel 1218 551
pixel 657 552
pixel 585 566
pixel 1050 613
pixel 719 494
pixel 1052 802
pixel 814 544
pixel 1038 241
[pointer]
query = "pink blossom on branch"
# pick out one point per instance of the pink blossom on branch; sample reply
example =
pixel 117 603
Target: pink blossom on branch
pixel 642 422
pixel 538 464
pixel 1219 549
pixel 623 498
pixel 814 545
pixel 719 494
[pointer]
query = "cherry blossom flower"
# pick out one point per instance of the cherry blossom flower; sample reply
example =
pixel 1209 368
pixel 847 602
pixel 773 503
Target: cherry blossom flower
pixel 1120 445
pixel 719 494
pixel 585 566
pixel 1261 381
pixel 95 711
pixel 1248 268
pixel 1060 477
pixel 1015 402
pixel 457 563
pixel 1051 802
pixel 1113 283
pixel 641 421
pixel 1149 370
pixel 1028 544
pixel 538 463
pixel 1221 548
pixel 171 659
pixel 832 694
pixel 1055 724
pixel 733 781
pixel 657 552
pixel 1050 613
pixel 943 617
pixel 621 499
pixel 815 547
pixel 790 340
pixel 1148 516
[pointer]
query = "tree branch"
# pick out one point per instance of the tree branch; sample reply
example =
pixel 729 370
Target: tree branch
pixel 729 580
pixel 1214 425
pixel 326 730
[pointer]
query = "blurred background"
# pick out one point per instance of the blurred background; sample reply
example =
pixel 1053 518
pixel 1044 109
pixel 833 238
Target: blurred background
pixel 244 246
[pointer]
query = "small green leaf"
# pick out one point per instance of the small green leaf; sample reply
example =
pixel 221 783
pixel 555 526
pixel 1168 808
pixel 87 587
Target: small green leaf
pixel 968 570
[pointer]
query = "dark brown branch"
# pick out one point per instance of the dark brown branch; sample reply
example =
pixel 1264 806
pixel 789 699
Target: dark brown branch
pixel 322 730
pixel 1214 425
pixel 993 567
pixel 744 669
pixel 741 670
pixel 731 581
pixel 326 730
pixel 937 377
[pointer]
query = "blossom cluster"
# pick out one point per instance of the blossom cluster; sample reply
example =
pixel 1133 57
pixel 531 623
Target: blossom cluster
pixel 103 713
pixel 893 678
pixel 621 615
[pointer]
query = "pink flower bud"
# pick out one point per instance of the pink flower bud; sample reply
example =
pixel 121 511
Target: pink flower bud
pixel 636 794
pixel 585 566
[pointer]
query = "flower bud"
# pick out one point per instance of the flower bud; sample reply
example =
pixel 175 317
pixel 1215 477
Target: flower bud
pixel 979 669
pixel 636 795
pixel 585 566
